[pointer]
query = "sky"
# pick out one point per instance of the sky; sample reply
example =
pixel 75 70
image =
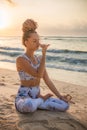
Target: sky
pixel 54 17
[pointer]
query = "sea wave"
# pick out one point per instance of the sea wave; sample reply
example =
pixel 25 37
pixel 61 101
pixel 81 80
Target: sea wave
pixel 11 54
pixel 84 39
pixel 50 50
pixel 11 48
pixel 65 59
pixel 67 53
pixel 70 68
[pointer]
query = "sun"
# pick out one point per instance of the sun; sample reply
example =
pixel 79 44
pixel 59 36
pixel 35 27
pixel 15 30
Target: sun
pixel 4 18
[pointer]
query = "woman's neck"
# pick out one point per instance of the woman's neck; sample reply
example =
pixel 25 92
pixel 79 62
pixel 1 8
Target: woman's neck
pixel 30 54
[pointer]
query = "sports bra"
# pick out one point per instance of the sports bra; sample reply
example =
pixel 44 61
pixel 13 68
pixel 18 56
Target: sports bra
pixel 24 75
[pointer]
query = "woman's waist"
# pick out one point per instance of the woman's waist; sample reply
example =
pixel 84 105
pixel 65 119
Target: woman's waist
pixel 29 83
pixel 29 87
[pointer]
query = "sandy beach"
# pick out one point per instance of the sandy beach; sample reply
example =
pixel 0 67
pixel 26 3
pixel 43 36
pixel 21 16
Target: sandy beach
pixel 74 119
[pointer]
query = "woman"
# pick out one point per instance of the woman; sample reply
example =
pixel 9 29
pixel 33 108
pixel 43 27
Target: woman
pixel 31 69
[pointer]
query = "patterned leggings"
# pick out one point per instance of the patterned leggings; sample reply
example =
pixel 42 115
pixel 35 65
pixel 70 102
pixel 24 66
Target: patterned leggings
pixel 27 101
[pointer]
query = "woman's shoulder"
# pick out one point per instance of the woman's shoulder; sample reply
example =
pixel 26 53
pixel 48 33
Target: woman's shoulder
pixel 21 55
pixel 20 58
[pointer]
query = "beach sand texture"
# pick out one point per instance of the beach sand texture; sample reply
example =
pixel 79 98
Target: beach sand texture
pixel 74 119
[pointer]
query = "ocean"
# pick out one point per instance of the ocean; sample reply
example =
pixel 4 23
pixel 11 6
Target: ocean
pixel 64 53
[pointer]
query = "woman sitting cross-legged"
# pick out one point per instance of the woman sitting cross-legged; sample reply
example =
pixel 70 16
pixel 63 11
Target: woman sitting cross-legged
pixel 31 69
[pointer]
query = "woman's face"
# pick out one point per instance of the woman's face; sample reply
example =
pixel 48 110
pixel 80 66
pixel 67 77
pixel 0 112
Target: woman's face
pixel 32 43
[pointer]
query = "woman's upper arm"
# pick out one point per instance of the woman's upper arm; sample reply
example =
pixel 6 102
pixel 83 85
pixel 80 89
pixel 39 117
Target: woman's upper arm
pixel 24 65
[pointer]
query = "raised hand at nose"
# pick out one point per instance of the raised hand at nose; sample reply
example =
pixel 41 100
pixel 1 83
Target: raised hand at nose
pixel 44 47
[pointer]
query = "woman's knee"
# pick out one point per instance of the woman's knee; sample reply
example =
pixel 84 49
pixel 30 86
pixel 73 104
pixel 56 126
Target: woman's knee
pixel 65 107
pixel 29 107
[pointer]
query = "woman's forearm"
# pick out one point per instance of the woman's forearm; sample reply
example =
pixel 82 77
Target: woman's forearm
pixel 41 68
pixel 53 89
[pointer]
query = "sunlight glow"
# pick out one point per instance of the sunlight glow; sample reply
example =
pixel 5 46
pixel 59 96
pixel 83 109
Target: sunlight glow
pixel 4 19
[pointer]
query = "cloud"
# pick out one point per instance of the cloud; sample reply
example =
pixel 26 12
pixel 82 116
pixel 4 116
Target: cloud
pixel 61 29
pixel 11 2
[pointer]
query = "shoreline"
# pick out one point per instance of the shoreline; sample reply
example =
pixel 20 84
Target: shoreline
pixel 73 77
pixel 75 118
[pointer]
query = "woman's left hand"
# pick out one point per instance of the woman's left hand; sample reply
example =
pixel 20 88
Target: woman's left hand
pixel 67 98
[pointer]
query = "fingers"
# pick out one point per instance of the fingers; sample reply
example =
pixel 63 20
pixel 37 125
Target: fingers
pixel 68 98
pixel 72 102
pixel 49 95
pixel 44 45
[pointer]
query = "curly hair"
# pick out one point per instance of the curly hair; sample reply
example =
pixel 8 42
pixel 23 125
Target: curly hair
pixel 29 27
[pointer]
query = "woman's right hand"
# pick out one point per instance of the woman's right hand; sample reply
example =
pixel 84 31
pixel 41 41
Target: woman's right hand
pixel 45 97
pixel 44 48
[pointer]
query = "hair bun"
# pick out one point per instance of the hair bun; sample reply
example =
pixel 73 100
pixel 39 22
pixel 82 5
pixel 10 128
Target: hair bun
pixel 29 24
